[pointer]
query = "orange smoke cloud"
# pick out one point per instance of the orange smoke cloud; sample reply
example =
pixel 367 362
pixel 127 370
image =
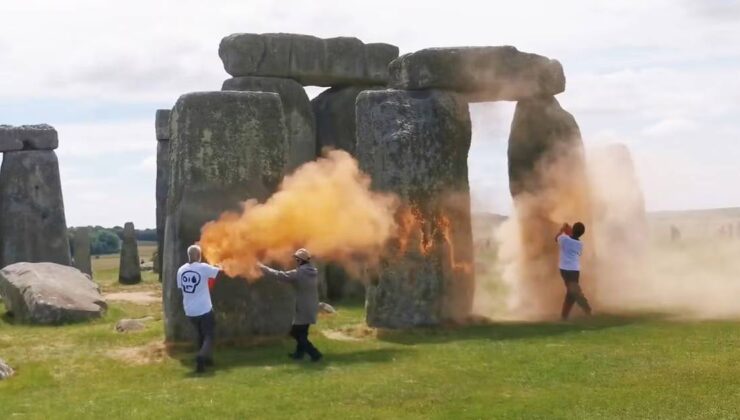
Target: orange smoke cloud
pixel 326 206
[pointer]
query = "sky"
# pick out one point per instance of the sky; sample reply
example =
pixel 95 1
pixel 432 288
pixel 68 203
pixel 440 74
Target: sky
pixel 661 76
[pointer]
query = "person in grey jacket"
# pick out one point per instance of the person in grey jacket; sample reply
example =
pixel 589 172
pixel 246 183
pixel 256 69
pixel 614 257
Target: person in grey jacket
pixel 304 280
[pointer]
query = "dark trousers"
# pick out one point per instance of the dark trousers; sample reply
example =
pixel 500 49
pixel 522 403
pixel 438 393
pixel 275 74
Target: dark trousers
pixel 205 326
pixel 573 293
pixel 303 346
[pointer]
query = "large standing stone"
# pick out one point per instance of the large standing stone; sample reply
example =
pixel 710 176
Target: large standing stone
pixel 482 73
pixel 48 293
pixel 28 137
pixel 226 147
pixel 334 110
pixel 130 268
pixel 162 128
pixel 415 144
pixel 549 185
pixel 81 242
pixel 299 118
pixel 162 124
pixel 32 225
pixel 307 59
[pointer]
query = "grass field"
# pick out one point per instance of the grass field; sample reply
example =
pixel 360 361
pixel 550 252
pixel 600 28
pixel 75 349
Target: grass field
pixel 605 367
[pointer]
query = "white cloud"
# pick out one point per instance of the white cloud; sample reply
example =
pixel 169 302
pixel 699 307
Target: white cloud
pixel 660 73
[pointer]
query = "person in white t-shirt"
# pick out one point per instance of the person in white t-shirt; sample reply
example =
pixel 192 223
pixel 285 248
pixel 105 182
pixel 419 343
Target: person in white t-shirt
pixel 195 279
pixel 571 249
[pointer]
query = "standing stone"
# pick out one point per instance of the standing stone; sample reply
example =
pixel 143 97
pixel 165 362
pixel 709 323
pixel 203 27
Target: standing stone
pixel 226 147
pixel 548 182
pixel 32 227
pixel 416 144
pixel 162 124
pixel 81 247
pixel 334 110
pixel 306 59
pixel 130 268
pixel 299 118
pixel 483 74
pixel 162 129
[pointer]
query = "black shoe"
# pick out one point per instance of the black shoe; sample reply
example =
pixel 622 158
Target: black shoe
pixel 200 364
pixel 317 358
pixel 296 356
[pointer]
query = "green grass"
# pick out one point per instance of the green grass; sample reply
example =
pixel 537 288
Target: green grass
pixel 641 367
pixel 105 270
pixel 605 367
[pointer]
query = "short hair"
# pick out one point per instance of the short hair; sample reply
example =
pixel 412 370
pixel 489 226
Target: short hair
pixel 578 230
pixel 194 253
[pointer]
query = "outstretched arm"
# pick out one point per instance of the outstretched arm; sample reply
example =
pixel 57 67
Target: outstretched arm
pixel 284 276
pixel 213 276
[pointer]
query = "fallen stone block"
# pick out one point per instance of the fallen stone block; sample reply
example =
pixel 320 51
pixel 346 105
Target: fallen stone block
pixel 5 370
pixel 48 293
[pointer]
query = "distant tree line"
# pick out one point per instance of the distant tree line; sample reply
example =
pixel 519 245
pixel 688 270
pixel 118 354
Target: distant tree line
pixel 108 240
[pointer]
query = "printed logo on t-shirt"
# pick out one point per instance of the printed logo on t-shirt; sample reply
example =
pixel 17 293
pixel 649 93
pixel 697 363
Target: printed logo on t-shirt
pixel 190 281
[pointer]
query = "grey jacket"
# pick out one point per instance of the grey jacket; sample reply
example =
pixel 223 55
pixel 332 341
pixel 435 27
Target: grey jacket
pixel 305 281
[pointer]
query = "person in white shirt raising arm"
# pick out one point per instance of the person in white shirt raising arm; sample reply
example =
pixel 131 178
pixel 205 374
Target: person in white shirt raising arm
pixel 571 249
pixel 195 279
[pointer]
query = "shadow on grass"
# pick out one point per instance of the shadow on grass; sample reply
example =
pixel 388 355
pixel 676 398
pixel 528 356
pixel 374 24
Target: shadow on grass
pixel 500 331
pixel 277 355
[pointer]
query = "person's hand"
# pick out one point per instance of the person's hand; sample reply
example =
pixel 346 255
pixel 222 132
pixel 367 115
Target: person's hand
pixel 566 229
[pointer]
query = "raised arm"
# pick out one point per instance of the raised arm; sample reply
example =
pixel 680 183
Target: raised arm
pixel 284 276
pixel 564 230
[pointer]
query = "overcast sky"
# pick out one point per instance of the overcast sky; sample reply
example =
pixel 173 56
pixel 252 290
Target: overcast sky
pixel 661 76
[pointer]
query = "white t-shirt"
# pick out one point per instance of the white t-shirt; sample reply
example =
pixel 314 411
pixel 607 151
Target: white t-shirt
pixel 192 279
pixel 570 253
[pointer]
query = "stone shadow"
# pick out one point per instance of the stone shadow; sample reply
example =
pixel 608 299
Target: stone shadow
pixel 276 355
pixel 505 331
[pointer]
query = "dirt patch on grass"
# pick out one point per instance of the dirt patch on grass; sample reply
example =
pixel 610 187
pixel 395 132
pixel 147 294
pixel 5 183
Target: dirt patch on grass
pixel 351 333
pixel 140 298
pixel 153 352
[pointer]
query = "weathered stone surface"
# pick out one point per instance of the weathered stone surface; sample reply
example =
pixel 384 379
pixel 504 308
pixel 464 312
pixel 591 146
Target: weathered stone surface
pixel 549 185
pixel 415 144
pixel 226 147
pixel 340 284
pixel 334 110
pixel 81 246
pixel 307 59
pixel 32 226
pixel 482 73
pixel 130 268
pixel 540 131
pixel 299 118
pixel 5 370
pixel 129 325
pixel 28 137
pixel 48 293
pixel 162 124
pixel 162 188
